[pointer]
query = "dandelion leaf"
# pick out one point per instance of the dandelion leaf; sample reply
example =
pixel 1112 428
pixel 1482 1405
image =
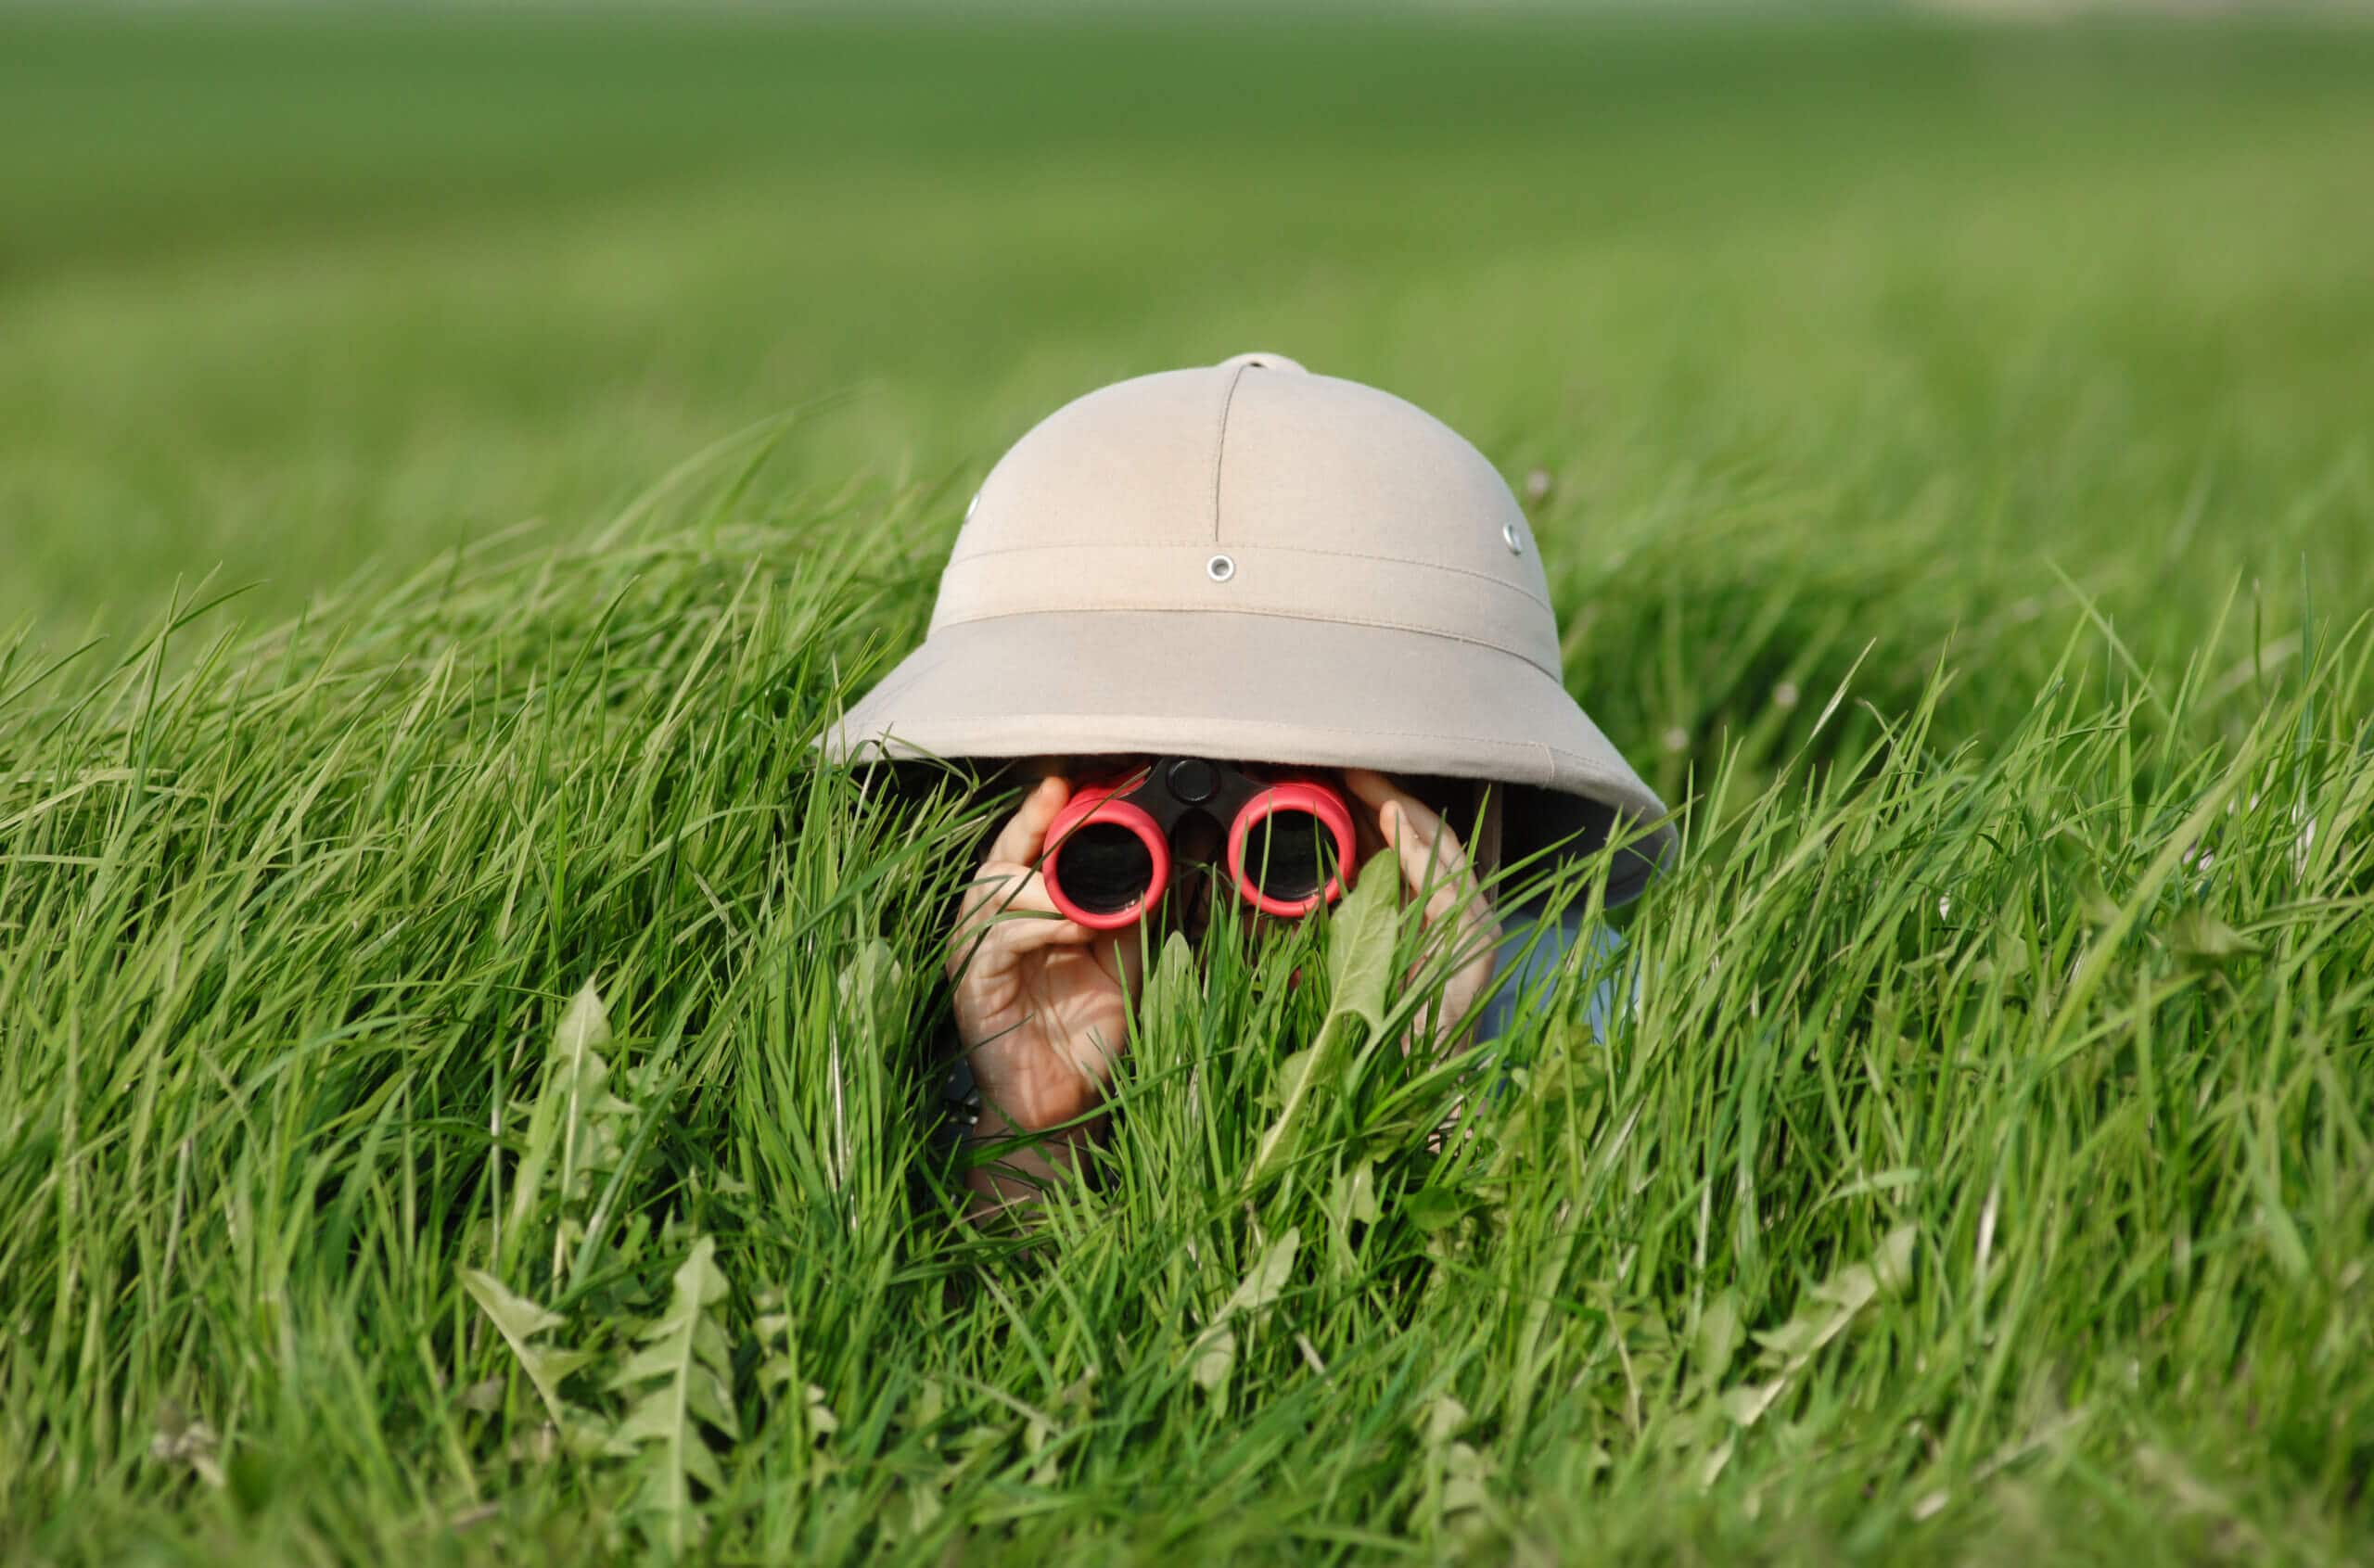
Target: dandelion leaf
pixel 2201 938
pixel 522 1322
pixel 682 1377
pixel 575 1131
pixel 1359 963
pixel 1213 1355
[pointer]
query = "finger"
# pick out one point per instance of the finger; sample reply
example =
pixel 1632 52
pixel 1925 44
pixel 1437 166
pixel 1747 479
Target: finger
pixel 1007 912
pixel 1030 933
pixel 986 953
pixel 1458 913
pixel 1378 794
pixel 1389 800
pixel 1436 867
pixel 1378 791
pixel 1003 885
pixel 1375 791
pixel 1451 877
pixel 1433 862
pixel 1025 834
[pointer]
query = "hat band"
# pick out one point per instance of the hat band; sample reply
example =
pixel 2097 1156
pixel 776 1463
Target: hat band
pixel 1316 585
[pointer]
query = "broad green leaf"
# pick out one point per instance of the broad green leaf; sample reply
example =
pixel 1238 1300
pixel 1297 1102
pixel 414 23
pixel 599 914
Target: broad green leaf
pixel 574 1132
pixel 1851 1288
pixel 1719 1335
pixel 1435 1208
pixel 519 1322
pixel 2200 938
pixel 1460 1471
pixel 1214 1353
pixel 2099 906
pixel 1353 1198
pixel 1839 1299
pixel 1892 1263
pixel 1745 1404
pixel 1467 1473
pixel 1287 1086
pixel 1361 938
pixel 1267 1277
pixel 518 1318
pixel 1212 1358
pixel 869 990
pixel 1359 963
pixel 683 1380
pixel 1175 980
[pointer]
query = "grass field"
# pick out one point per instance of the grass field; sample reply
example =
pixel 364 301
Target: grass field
pixel 461 1063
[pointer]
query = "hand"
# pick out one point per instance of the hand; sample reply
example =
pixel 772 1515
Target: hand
pixel 1436 870
pixel 1042 1003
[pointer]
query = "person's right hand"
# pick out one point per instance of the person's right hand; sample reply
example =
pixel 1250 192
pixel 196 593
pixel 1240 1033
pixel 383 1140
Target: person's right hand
pixel 1041 1002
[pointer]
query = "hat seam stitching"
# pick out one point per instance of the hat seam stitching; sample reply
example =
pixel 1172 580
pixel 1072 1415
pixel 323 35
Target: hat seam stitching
pixel 1220 446
pixel 1529 596
pixel 1517 654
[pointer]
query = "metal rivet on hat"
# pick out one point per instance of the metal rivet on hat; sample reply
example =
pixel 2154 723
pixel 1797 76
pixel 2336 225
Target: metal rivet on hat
pixel 973 505
pixel 1219 568
pixel 1509 532
pixel 1259 360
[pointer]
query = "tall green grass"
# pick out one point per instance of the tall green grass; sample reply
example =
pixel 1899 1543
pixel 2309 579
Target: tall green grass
pixel 464 1080
pixel 396 1004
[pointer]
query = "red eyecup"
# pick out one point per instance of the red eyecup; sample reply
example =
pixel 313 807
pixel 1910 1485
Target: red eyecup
pixel 1095 804
pixel 1295 795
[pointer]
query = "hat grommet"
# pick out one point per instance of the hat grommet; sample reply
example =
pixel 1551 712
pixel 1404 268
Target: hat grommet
pixel 1260 359
pixel 1219 568
pixel 1509 535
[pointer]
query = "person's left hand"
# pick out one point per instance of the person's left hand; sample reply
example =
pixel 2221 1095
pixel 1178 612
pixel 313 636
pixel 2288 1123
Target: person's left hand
pixel 1436 870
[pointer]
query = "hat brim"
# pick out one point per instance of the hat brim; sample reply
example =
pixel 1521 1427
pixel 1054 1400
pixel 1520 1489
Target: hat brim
pixel 1253 687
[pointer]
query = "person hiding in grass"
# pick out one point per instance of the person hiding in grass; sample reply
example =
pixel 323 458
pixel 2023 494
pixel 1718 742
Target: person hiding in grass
pixel 1238 629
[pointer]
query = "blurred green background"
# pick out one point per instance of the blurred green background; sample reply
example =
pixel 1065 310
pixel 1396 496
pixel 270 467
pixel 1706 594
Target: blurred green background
pixel 1945 306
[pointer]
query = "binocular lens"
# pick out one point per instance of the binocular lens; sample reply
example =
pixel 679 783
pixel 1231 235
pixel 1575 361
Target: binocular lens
pixel 1105 867
pixel 1289 855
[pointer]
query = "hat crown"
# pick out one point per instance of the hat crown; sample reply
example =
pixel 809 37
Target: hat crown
pixel 1253 487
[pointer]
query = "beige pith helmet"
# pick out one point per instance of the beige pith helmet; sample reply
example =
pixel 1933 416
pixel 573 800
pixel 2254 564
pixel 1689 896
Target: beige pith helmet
pixel 1251 562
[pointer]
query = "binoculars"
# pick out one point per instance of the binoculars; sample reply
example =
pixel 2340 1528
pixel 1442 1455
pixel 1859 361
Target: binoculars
pixel 1288 837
